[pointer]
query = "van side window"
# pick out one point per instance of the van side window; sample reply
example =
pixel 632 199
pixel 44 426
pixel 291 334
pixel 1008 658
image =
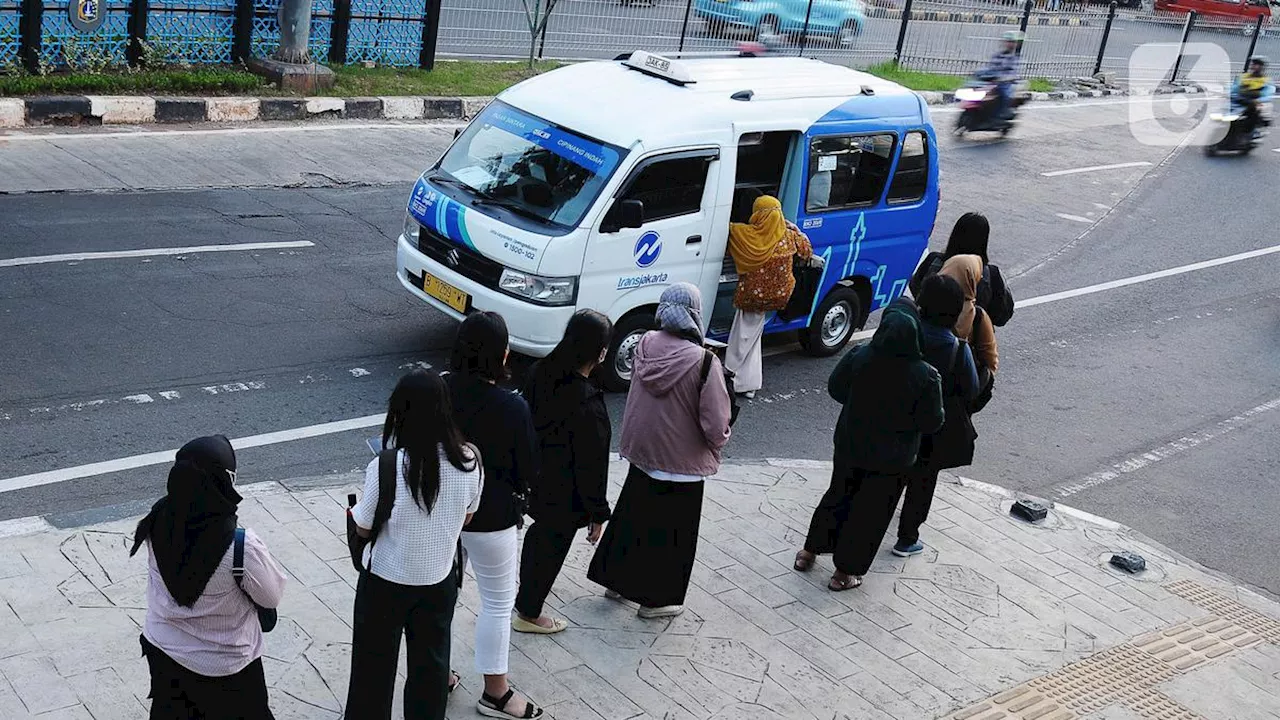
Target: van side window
pixel 912 176
pixel 670 188
pixel 848 171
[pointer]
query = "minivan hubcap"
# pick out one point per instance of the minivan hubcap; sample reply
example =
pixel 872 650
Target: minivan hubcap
pixel 624 362
pixel 835 324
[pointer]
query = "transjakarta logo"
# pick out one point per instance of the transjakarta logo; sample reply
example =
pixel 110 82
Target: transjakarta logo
pixel 636 281
pixel 648 248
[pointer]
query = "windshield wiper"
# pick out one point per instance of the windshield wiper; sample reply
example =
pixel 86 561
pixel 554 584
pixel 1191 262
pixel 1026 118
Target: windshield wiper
pixel 440 177
pixel 511 205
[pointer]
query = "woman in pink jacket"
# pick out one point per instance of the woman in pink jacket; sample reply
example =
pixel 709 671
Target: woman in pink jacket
pixel 673 429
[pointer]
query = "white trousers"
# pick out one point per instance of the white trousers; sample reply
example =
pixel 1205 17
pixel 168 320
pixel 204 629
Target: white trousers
pixel 494 561
pixel 743 355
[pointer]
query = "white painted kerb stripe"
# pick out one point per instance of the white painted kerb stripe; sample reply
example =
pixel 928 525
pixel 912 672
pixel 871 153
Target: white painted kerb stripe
pixel 1095 168
pixel 153 252
pixel 51 477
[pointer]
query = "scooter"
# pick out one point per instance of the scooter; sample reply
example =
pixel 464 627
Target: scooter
pixel 979 101
pixel 1239 136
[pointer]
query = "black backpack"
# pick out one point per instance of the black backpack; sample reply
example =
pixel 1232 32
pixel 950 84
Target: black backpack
pixel 952 446
pixel 707 359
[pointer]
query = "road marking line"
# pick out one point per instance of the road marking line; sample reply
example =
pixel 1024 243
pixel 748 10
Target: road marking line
pixel 310 128
pixel 1095 168
pixel 1164 452
pixel 51 477
pixel 152 252
pixel 1074 218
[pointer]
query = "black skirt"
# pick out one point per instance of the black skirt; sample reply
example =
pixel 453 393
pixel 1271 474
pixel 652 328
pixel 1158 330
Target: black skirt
pixel 179 694
pixel 648 548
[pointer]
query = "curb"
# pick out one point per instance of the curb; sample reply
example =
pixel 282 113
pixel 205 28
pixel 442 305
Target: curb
pixel 93 110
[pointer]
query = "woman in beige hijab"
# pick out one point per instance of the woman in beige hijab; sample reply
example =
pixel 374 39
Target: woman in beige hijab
pixel 973 326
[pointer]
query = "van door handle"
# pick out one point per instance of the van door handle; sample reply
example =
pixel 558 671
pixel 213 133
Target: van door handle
pixel 693 240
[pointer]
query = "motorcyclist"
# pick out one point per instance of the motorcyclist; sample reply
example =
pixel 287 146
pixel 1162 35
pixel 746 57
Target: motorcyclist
pixel 1251 92
pixel 1004 69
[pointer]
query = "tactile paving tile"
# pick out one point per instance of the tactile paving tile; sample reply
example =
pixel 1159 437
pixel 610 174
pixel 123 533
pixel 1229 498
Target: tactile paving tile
pixel 1225 608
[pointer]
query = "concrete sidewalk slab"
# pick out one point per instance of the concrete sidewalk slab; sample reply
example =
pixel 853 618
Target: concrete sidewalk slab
pixel 998 619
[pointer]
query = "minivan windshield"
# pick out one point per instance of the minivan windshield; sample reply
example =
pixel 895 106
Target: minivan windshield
pixel 532 167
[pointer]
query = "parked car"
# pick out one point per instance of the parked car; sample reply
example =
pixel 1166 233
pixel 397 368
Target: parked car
pixel 839 19
pixel 1244 10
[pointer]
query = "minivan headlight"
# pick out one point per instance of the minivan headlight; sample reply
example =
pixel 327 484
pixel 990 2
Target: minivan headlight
pixel 411 228
pixel 538 289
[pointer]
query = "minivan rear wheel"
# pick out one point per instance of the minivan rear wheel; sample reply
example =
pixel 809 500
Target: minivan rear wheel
pixel 619 364
pixel 833 323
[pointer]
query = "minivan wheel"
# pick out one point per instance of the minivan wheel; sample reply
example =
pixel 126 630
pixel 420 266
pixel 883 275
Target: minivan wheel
pixel 618 365
pixel 833 323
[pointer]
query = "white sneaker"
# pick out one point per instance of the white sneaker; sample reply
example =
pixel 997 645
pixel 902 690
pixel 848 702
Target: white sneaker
pixel 666 611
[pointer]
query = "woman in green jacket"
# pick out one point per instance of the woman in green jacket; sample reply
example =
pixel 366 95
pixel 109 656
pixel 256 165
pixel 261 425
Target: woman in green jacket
pixel 890 397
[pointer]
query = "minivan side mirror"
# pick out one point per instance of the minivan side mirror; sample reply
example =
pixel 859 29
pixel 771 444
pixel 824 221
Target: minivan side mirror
pixel 624 214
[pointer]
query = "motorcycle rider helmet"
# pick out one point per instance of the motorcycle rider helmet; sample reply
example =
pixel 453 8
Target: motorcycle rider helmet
pixel 1258 60
pixel 1014 36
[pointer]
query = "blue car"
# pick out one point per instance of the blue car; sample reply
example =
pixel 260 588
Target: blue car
pixel 839 19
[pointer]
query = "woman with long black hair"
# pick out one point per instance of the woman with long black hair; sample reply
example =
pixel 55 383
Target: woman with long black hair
pixel 970 236
pixel 574 432
pixel 202 637
pixel 498 422
pixel 410 587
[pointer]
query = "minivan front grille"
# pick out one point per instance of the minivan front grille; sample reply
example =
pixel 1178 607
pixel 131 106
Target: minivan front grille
pixel 459 258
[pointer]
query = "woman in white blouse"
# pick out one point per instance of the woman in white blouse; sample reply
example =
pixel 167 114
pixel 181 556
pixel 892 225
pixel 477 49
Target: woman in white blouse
pixel 410 587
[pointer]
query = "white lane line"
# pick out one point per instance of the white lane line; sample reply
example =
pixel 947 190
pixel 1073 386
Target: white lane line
pixel 51 477
pixel 1148 277
pixel 1275 150
pixel 153 252
pixel 282 436
pixel 225 131
pixel 1074 218
pixel 1095 168
pixel 1164 452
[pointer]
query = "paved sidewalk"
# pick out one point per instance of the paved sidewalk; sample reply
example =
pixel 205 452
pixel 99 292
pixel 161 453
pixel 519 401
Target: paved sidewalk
pixel 998 619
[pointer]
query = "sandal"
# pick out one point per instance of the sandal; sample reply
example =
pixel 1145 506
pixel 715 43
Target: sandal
pixel 490 706
pixel 804 561
pixel 848 582
pixel 454 681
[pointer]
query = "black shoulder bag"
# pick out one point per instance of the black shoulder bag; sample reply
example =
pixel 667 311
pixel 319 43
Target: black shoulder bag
pixel 707 359
pixel 267 617
pixel 984 395
pixel 386 500
pixel 952 446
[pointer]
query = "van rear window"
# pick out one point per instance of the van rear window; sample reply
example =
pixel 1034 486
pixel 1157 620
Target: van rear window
pixel 911 179
pixel 848 171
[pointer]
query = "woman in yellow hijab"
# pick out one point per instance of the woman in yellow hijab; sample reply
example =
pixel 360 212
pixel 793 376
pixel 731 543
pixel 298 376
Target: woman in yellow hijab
pixel 762 250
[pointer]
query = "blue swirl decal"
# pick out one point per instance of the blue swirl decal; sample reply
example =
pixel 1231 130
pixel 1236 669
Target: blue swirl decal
pixel 648 248
pixel 438 212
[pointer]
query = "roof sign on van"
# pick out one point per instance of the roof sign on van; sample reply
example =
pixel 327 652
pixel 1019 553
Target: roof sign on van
pixel 660 67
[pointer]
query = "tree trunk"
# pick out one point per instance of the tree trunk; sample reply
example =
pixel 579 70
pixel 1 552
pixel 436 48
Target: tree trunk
pixel 295 32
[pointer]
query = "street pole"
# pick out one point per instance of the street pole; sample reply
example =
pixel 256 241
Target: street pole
pixel 1106 35
pixel 684 26
pixel 1026 20
pixel 902 33
pixel 804 34
pixel 295 32
pixel 1253 44
pixel 1182 46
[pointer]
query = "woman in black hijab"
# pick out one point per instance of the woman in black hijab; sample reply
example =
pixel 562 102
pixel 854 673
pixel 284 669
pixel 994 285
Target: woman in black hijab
pixel 202 637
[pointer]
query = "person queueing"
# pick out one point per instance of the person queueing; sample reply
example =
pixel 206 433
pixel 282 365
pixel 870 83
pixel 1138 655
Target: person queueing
pixel 890 398
pixel 202 638
pixel 673 429
pixel 497 421
pixel 762 251
pixel 970 236
pixel 411 587
pixel 974 325
pixel 941 300
pixel 574 433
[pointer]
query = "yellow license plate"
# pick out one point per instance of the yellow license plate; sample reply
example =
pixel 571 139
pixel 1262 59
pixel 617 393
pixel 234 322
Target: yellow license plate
pixel 444 292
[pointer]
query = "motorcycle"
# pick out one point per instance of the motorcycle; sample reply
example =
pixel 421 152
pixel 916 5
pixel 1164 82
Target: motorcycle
pixel 1242 126
pixel 979 101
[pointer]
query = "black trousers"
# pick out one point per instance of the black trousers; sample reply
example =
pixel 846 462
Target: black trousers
pixel 546 545
pixel 853 516
pixel 383 612
pixel 921 483
pixel 179 694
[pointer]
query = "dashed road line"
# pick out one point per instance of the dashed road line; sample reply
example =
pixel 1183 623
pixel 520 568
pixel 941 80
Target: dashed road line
pixel 1074 218
pixel 1095 168
pixel 152 252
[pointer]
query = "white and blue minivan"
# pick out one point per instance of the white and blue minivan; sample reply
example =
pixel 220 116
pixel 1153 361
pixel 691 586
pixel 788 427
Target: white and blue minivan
pixel 599 184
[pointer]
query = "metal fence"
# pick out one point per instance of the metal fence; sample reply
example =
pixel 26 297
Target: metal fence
pixel 39 35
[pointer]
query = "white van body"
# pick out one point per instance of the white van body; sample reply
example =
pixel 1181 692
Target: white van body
pixel 604 121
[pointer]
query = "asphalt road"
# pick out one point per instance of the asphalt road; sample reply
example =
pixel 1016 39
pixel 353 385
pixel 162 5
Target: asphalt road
pixel 591 29
pixel 1153 404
